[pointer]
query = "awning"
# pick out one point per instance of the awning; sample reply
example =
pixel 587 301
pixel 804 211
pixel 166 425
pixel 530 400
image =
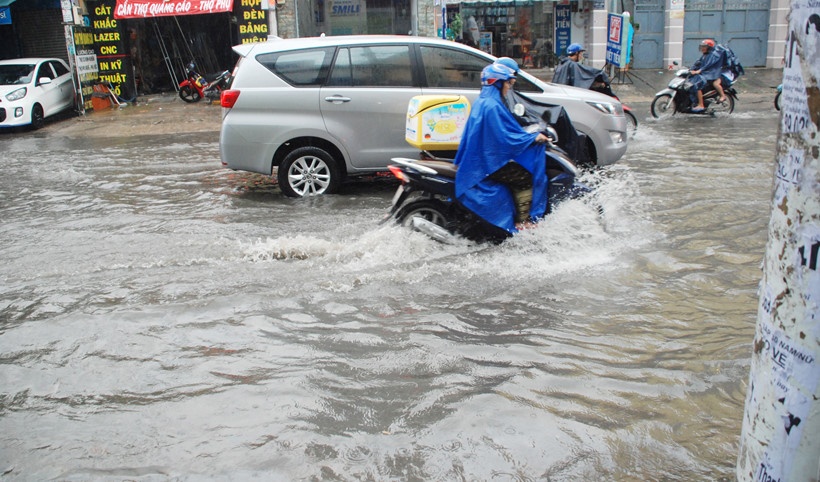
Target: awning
pixel 6 3
pixel 168 8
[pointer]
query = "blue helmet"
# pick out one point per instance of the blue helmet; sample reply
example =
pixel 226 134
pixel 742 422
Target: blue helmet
pixel 495 72
pixel 575 48
pixel 508 62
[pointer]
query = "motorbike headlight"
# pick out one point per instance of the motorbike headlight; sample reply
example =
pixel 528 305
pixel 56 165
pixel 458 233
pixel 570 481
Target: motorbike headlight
pixel 16 94
pixel 606 107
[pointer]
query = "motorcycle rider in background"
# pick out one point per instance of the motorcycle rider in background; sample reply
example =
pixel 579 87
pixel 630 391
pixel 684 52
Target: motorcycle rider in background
pixel 707 69
pixel 501 167
pixel 571 72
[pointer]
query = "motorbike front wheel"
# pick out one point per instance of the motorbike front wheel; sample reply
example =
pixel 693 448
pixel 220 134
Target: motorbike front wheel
pixel 663 106
pixel 189 94
pixel 631 122
pixel 777 100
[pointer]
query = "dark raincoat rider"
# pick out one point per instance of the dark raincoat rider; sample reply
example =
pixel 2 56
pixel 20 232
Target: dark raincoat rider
pixel 493 139
pixel 572 72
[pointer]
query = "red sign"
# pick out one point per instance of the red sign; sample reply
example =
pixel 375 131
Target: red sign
pixel 166 8
pixel 615 29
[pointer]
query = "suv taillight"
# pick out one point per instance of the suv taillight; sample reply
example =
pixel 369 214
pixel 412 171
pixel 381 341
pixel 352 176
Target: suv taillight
pixel 228 98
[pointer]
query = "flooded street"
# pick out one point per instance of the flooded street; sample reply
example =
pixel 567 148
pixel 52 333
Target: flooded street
pixel 163 318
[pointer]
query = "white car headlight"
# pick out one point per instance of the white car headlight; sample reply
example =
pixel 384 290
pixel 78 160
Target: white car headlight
pixel 16 95
pixel 605 107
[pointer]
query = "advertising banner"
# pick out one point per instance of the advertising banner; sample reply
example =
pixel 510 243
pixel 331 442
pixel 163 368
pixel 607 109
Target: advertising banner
pixel 563 25
pixel 167 8
pixel 114 63
pixel 252 21
pixel 618 40
pixel 5 16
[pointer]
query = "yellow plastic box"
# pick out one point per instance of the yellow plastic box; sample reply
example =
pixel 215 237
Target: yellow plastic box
pixel 436 122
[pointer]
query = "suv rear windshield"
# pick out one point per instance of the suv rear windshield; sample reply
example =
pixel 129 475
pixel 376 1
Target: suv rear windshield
pixel 299 68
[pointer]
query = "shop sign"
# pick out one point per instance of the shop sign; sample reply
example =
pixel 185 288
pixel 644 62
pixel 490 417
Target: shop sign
pixel 252 21
pixel 618 40
pixel 113 62
pixel 5 16
pixel 167 8
pixel 86 63
pixel 563 25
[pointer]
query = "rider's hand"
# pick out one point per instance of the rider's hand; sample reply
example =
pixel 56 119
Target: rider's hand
pixel 541 138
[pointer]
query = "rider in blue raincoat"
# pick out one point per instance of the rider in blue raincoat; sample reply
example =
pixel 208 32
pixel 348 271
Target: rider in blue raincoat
pixel 493 140
pixel 707 69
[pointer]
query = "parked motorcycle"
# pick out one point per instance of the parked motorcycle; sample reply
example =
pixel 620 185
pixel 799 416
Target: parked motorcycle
pixel 426 200
pixel 675 98
pixel 196 87
pixel 777 97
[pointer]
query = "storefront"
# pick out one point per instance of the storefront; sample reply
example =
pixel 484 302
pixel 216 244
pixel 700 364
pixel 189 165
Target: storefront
pixel 31 28
pixel 346 17
pixel 523 30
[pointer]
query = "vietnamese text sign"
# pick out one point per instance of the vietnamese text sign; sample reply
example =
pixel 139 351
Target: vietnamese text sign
pixel 164 8
pixel 614 40
pixel 563 25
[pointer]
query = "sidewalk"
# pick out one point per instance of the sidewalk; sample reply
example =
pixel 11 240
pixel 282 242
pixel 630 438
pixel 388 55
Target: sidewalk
pixel 641 85
pixel 168 114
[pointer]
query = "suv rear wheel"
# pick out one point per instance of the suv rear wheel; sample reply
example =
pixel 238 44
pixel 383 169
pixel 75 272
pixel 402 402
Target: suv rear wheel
pixel 308 171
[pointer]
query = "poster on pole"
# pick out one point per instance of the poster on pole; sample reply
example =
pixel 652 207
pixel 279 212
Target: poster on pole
pixel 563 26
pixel 615 54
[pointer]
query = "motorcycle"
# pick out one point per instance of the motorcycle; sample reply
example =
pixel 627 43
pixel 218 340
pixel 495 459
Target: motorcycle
pixel 196 87
pixel 675 98
pixel 426 201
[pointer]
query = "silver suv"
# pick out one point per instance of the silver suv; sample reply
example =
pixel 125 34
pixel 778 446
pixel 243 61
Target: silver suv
pixel 324 108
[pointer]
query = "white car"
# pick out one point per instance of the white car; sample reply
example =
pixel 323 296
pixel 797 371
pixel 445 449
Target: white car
pixel 325 108
pixel 32 89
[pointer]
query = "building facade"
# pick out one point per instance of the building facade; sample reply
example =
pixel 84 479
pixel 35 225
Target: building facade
pixel 142 46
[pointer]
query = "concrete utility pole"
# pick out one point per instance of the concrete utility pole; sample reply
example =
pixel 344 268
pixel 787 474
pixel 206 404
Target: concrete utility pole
pixel 780 439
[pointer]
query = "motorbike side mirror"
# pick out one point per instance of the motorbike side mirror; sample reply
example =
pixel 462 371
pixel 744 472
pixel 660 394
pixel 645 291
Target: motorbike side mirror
pixel 519 110
pixel 552 134
pixel 675 62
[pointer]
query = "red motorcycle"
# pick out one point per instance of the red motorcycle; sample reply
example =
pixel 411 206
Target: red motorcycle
pixel 197 87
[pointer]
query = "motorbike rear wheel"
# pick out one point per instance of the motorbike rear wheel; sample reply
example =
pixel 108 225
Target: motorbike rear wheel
pixel 432 211
pixel 663 106
pixel 189 94
pixel 727 107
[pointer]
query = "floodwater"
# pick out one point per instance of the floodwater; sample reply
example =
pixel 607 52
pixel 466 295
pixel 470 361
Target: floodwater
pixel 162 318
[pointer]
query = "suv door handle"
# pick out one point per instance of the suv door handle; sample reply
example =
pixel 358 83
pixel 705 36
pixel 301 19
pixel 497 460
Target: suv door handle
pixel 337 99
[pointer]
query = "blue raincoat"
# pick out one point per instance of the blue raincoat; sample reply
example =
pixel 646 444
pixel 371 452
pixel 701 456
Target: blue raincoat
pixel 492 137
pixel 710 65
